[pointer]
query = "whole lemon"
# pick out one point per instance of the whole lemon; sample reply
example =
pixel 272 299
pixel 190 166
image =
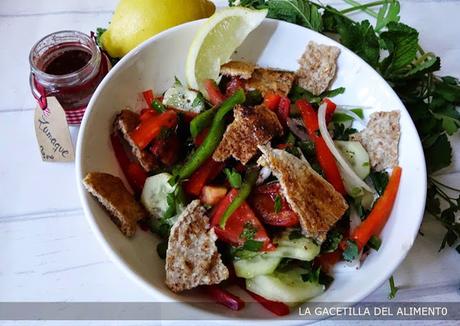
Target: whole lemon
pixel 134 21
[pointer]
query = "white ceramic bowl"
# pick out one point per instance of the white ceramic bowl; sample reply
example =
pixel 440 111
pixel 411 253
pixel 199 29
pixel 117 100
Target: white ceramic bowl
pixel 274 44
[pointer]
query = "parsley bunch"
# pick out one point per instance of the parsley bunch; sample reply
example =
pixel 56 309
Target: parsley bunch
pixel 392 48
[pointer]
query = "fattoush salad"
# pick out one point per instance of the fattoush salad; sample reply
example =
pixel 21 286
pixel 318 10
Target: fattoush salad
pixel 261 180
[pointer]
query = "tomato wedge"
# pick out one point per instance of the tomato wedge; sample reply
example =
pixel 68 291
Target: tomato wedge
pixel 147 130
pixel 263 203
pixel 214 94
pixel 233 85
pixel 237 222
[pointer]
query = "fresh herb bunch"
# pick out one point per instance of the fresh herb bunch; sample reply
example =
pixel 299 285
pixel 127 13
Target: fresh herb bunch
pixel 392 48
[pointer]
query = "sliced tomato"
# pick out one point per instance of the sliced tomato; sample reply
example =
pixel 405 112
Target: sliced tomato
pixel 271 101
pixel 233 85
pixel 263 203
pixel 237 222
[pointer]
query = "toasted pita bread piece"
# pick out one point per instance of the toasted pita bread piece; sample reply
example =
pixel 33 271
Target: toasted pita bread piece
pixel 316 202
pixel 124 210
pixel 317 67
pixel 192 258
pixel 239 69
pixel 125 122
pixel 381 138
pixel 251 127
pixel 271 81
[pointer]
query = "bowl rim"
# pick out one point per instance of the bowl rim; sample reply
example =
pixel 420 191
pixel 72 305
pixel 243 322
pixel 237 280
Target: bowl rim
pixel 159 294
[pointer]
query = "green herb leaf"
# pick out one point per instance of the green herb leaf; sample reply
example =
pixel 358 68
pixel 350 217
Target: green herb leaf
pixel 379 180
pixel 438 153
pixel 277 205
pixel 162 247
pixel 233 177
pixel 393 288
pixel 99 32
pixel 388 13
pixel 253 98
pixel 295 234
pixel 361 39
pixel 401 41
pixel 351 252
pixel 340 132
pixel 158 106
pixel 299 12
pixel 198 101
pixel 332 241
pixel 253 245
pixel 249 231
pixel 312 277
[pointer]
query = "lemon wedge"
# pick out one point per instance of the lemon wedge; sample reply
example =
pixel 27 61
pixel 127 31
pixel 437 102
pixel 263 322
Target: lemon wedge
pixel 215 42
pixel 134 21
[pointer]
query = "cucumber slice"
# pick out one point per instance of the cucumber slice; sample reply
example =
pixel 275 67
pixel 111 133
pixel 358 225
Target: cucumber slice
pixel 183 98
pixel 356 155
pixel 301 248
pixel 287 287
pixel 258 265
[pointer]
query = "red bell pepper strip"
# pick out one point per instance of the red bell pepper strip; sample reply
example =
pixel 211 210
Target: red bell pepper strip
pixel 278 308
pixel 235 225
pixel 148 97
pixel 215 96
pixel 325 158
pixel 147 114
pixel 205 173
pixel 134 173
pixel 271 101
pixel 284 108
pixel 330 109
pixel 327 162
pixel 147 130
pixel 263 202
pixel 224 297
pixel 380 213
pixel 233 85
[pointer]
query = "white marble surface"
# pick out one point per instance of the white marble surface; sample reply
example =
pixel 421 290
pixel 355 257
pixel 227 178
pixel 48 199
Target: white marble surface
pixel 48 252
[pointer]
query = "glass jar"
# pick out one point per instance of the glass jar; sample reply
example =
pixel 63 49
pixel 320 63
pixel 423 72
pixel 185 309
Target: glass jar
pixel 68 65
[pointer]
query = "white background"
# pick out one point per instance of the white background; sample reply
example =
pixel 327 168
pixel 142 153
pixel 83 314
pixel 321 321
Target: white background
pixel 47 251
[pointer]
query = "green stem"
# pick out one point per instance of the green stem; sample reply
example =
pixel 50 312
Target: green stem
pixel 364 6
pixel 365 9
pixel 444 185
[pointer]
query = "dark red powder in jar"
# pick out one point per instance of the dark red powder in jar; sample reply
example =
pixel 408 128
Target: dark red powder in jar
pixel 67 62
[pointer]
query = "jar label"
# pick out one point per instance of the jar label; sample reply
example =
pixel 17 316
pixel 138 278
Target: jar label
pixel 53 135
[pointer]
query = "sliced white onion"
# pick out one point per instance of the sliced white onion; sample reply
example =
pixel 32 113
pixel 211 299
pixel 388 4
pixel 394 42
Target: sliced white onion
pixel 344 165
pixel 296 129
pixel 263 175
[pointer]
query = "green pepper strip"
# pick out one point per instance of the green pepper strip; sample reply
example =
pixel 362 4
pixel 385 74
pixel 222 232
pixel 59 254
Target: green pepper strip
pixel 243 193
pixel 213 138
pixel 202 121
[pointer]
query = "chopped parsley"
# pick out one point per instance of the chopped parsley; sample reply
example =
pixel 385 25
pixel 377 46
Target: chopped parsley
pixel 332 241
pixel 249 231
pixel 393 288
pixel 158 106
pixel 379 180
pixel 295 234
pixel 277 205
